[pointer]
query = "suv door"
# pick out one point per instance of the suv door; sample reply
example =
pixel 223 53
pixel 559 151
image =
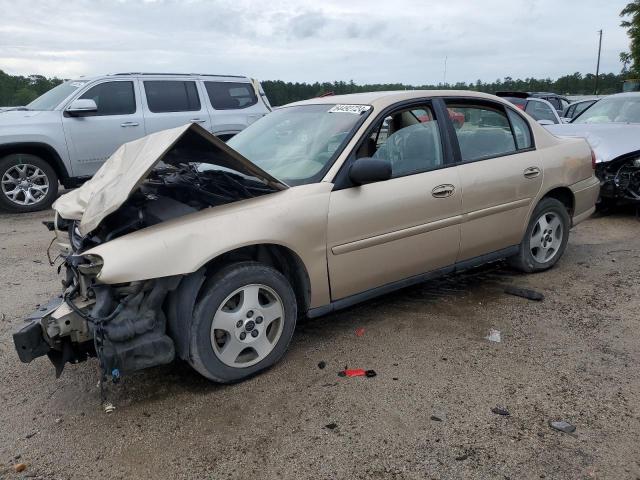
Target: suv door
pixel 500 174
pixel 384 232
pixel 233 106
pixel 169 103
pixel 93 136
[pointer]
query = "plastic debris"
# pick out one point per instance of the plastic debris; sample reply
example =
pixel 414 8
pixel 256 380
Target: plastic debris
pixel 524 293
pixel 331 426
pixel 494 336
pixel 437 418
pixel 322 364
pixel 498 410
pixel 563 426
pixel 109 408
pixel 359 332
pixel 19 467
pixel 357 372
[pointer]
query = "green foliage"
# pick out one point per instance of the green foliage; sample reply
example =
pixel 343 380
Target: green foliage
pixel 280 92
pixel 631 59
pixel 18 90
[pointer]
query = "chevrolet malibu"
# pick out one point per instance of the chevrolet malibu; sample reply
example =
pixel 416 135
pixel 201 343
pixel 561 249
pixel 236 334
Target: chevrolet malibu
pixel 184 246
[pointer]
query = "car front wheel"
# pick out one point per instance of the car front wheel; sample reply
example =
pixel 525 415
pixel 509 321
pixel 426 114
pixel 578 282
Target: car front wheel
pixel 545 239
pixel 27 183
pixel 243 322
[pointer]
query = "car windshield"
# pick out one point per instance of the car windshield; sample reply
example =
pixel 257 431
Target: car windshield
pixel 53 98
pixel 619 109
pixel 298 144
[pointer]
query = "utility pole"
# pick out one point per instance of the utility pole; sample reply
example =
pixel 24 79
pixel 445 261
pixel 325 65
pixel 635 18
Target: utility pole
pixel 445 71
pixel 595 90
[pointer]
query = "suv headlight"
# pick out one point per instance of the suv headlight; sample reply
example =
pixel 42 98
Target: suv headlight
pixel 636 162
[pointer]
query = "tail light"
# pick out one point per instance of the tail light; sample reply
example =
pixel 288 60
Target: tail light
pixel 593 159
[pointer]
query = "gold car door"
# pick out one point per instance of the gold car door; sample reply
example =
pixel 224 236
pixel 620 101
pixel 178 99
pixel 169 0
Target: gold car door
pixel 501 174
pixel 385 232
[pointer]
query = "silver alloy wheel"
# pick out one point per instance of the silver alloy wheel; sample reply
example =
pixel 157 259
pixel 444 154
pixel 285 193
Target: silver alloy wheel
pixel 546 237
pixel 247 325
pixel 25 184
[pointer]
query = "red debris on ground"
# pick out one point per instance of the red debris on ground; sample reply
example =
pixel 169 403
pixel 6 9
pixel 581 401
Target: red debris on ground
pixel 359 332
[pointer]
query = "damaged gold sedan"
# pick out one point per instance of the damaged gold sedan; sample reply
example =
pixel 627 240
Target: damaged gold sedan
pixel 184 246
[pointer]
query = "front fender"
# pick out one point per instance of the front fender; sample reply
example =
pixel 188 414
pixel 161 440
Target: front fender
pixel 295 218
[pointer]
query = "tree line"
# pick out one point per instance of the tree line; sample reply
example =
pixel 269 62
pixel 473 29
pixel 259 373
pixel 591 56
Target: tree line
pixel 20 90
pixel 280 92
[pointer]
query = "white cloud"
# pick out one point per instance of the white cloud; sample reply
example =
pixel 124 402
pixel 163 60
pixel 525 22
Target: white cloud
pixel 399 41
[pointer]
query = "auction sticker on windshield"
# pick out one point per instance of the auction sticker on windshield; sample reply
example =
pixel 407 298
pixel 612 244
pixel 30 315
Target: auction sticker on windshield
pixel 355 109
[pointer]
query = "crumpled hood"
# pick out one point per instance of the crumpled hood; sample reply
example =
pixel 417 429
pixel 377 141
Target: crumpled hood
pixel 608 140
pixel 129 166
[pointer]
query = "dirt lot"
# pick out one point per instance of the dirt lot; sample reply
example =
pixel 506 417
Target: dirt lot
pixel 575 356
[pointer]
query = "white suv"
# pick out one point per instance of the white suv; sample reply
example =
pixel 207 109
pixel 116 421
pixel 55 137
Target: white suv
pixel 67 133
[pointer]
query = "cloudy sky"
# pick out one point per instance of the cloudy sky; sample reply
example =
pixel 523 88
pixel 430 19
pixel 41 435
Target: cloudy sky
pixel 364 40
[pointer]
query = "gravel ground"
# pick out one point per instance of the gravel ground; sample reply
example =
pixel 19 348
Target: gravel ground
pixel 573 356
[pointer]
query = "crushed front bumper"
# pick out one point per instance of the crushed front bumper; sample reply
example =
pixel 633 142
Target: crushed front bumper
pixel 56 331
pixel 29 339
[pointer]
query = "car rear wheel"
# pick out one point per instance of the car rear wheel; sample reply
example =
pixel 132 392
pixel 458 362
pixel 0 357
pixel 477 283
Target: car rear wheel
pixel 243 322
pixel 27 183
pixel 545 239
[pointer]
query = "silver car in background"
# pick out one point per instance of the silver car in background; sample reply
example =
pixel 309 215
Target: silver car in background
pixel 66 134
pixel 612 128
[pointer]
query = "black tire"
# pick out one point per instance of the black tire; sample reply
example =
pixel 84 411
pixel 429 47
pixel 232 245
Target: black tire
pixel 10 161
pixel 226 281
pixel 525 260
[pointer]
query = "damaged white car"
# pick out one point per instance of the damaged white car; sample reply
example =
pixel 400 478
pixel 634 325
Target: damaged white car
pixel 184 246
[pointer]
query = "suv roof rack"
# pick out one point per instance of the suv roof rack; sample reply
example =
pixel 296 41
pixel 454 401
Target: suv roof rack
pixel 165 73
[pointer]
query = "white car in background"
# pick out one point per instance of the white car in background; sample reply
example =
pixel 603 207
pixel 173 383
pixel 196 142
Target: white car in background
pixel 66 134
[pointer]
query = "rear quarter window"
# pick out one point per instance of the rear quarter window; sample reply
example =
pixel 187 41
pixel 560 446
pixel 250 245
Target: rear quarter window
pixel 230 95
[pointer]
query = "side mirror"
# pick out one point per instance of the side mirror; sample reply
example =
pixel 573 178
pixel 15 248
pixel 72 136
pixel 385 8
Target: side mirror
pixel 546 122
pixel 369 170
pixel 82 105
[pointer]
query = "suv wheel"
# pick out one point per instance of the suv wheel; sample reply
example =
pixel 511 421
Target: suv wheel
pixel 545 239
pixel 243 322
pixel 27 183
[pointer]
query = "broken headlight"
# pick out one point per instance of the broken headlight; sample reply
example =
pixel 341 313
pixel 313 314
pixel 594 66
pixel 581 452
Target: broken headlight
pixel 92 266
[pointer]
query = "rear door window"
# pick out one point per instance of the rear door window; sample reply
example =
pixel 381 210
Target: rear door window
pixel 486 131
pixel 171 96
pixel 230 95
pixel 112 98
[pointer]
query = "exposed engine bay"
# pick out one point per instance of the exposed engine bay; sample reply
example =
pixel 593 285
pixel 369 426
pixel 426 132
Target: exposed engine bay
pixel 620 178
pixel 169 192
pixel 126 325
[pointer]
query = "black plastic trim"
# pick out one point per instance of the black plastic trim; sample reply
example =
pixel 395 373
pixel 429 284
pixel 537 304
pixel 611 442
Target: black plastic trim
pixel 458 267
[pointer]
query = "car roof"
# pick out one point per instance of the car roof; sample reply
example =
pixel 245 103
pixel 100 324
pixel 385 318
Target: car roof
pixel 386 98
pixel 625 94
pixel 159 74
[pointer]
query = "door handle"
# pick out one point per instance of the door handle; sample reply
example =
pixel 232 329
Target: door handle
pixel 129 124
pixel 531 172
pixel 197 120
pixel 443 191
